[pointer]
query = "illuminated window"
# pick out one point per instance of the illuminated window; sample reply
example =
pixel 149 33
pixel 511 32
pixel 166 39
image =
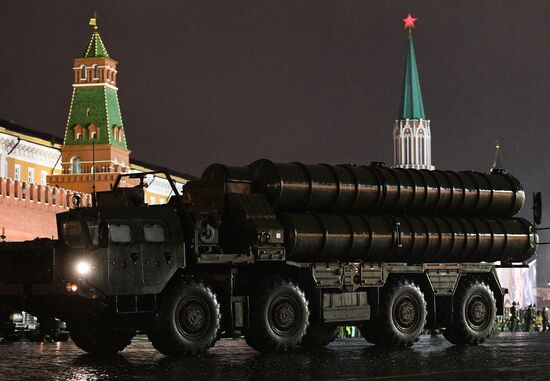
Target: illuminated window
pixel 43 175
pixel 75 164
pixel 152 200
pixel 17 174
pixel 30 175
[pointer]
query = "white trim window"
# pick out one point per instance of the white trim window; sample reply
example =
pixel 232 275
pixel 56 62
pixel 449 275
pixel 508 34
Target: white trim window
pixel 43 176
pixel 17 173
pixel 30 175
pixel 75 165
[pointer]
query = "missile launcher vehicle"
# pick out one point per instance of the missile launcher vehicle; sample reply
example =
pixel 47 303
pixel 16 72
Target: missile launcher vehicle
pixel 282 254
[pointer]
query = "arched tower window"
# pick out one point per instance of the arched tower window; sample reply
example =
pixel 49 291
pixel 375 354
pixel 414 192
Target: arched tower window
pixel 93 131
pixel 408 147
pixel 422 147
pixel 83 73
pixel 75 165
pixel 96 72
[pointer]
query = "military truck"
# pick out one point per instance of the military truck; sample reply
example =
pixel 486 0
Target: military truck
pixel 282 253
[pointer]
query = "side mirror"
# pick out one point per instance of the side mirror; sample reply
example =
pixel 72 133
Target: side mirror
pixel 103 234
pixel 537 208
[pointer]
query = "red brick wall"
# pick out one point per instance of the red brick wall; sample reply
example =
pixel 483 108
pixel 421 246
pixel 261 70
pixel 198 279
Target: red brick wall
pixel 28 210
pixel 23 221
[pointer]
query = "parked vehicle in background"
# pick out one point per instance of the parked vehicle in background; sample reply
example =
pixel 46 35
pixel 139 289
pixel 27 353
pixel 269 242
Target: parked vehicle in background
pixel 20 325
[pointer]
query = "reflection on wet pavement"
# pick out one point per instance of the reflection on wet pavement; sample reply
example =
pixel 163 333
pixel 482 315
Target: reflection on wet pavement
pixel 506 356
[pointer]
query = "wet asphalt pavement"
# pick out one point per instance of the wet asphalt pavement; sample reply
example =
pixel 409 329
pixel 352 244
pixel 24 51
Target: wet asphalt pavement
pixel 506 356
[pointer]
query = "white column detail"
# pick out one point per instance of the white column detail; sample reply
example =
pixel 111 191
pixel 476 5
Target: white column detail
pixel 412 144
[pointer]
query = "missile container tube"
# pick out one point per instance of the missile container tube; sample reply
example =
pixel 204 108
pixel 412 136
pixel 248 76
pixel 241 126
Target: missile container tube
pixel 281 254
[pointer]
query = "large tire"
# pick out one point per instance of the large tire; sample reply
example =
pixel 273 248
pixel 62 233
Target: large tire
pixel 278 316
pixel 474 313
pixel 401 316
pixel 100 341
pixel 319 335
pixel 188 320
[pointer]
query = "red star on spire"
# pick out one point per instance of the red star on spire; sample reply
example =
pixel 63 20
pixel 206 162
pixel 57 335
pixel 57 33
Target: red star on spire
pixel 409 21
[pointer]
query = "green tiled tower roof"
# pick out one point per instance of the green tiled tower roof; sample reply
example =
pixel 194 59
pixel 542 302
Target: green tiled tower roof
pixel 97 105
pixel 96 48
pixel 412 106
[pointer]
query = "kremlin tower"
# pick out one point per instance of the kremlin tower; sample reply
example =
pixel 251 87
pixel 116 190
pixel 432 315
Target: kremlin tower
pixel 94 149
pixel 411 134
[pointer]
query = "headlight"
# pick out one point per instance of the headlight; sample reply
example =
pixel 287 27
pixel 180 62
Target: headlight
pixel 16 317
pixel 83 268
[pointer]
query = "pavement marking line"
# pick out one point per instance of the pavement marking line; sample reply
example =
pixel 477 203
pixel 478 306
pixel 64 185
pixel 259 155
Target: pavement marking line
pixel 441 373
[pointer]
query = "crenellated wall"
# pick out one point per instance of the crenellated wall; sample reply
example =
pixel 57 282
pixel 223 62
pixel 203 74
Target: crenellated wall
pixel 27 210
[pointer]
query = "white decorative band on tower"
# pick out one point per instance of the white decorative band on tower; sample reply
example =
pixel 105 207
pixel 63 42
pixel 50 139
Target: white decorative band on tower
pixel 412 144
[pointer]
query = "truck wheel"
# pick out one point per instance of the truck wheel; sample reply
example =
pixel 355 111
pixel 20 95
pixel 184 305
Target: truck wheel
pixel 100 341
pixel 278 316
pixel 188 320
pixel 474 314
pixel 402 316
pixel 319 335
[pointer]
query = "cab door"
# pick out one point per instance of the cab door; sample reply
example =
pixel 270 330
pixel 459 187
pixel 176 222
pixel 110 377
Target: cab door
pixel 157 252
pixel 124 266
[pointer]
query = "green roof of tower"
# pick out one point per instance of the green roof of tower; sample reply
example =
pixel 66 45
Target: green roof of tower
pixel 96 48
pixel 97 105
pixel 412 106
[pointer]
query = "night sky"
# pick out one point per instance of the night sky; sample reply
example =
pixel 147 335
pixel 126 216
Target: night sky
pixel 313 81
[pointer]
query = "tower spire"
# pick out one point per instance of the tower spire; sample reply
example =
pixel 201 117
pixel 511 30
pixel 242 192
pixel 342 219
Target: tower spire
pixel 497 162
pixel 412 106
pixel 96 47
pixel 93 21
pixel 411 135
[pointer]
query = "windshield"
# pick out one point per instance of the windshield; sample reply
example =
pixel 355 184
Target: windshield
pixel 73 234
pixel 93 227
